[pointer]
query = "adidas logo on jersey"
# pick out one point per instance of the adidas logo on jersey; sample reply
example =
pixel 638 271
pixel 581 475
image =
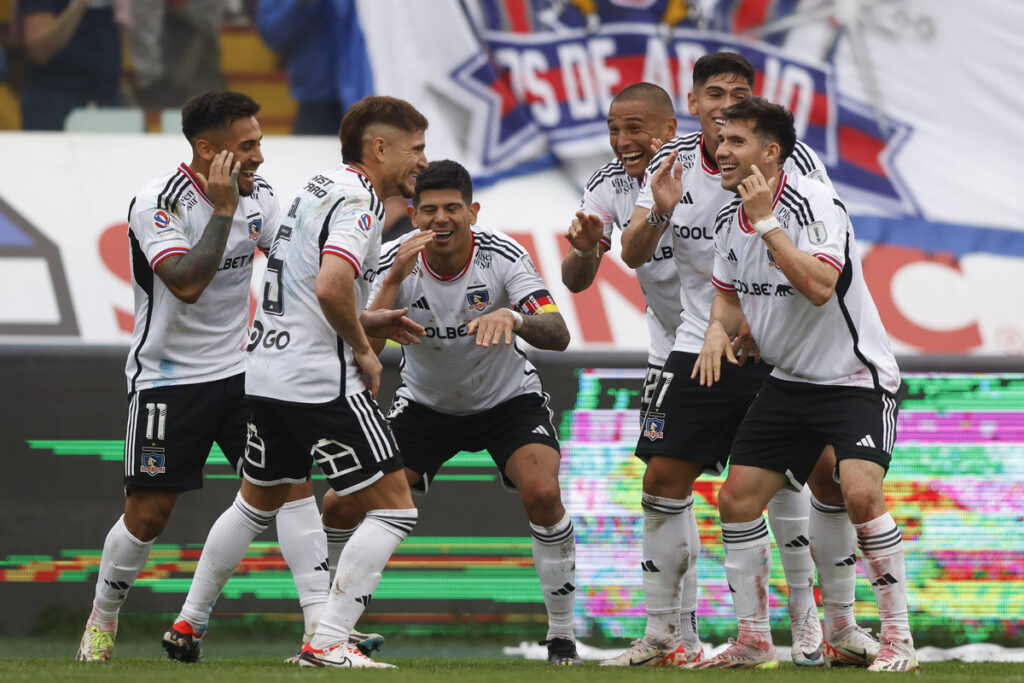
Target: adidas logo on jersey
pixel 539 429
pixel 687 199
pixel 732 256
pixel 867 441
pixel 421 303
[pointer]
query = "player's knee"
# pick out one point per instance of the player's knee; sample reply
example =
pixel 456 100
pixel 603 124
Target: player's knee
pixel 147 522
pixel 734 505
pixel 340 512
pixel 864 501
pixel 667 478
pixel 543 501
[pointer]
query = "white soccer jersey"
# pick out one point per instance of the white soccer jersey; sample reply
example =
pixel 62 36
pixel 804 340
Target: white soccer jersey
pixel 693 222
pixel 611 194
pixel 178 343
pixel 448 372
pixel 842 342
pixel 295 356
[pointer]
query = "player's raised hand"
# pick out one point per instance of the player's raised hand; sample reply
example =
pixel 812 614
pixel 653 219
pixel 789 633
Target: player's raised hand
pixel 585 232
pixel 370 368
pixel 392 324
pixel 667 183
pixel 222 185
pixel 490 328
pixel 708 367
pixel 405 257
pixel 757 194
pixel 744 346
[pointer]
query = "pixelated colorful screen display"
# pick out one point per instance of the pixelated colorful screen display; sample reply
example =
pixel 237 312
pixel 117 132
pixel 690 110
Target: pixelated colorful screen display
pixel 956 487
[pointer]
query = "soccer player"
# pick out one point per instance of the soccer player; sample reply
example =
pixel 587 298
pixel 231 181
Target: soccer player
pixel 785 255
pixel 192 234
pixel 689 430
pixel 469 386
pixel 311 380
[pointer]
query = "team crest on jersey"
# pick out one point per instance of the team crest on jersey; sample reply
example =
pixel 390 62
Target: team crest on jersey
pixel 255 226
pixel 152 462
pixel 364 222
pixel 478 299
pixel 654 426
pixel 161 221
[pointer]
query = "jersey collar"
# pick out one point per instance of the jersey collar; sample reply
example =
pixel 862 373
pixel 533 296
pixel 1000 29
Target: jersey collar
pixel 450 278
pixel 745 225
pixel 706 162
pixel 195 182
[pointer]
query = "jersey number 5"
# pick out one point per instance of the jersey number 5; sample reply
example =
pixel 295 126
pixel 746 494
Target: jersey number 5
pixel 273 294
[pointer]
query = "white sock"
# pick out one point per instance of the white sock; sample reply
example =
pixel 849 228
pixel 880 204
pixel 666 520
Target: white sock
pixel 787 515
pixel 834 547
pixel 226 545
pixel 359 572
pixel 336 540
pixel 123 558
pixel 688 595
pixel 554 556
pixel 304 547
pixel 748 565
pixel 666 557
pixel 881 547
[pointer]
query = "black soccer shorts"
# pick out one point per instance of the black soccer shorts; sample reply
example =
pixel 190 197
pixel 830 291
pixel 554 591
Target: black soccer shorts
pixel 172 428
pixel 429 438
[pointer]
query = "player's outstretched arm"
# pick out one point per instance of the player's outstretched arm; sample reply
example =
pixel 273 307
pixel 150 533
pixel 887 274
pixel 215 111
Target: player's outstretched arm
pixel 641 238
pixel 813 278
pixel 336 292
pixel 545 331
pixel 579 267
pixel 726 319
pixel 188 275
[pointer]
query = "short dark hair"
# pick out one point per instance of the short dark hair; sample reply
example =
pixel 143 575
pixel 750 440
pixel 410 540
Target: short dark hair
pixel 716 63
pixel 444 175
pixel 390 111
pixel 649 93
pixel 215 110
pixel 772 122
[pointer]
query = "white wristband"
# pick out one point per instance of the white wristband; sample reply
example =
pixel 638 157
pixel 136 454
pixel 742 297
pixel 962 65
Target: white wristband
pixel 517 320
pixel 766 225
pixel 594 251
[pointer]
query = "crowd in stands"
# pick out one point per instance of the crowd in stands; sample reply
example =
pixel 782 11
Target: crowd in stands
pixel 60 55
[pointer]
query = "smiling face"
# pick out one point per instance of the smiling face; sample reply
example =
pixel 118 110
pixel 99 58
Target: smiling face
pixel 404 158
pixel 242 138
pixel 632 124
pixel 740 149
pixel 709 100
pixel 446 214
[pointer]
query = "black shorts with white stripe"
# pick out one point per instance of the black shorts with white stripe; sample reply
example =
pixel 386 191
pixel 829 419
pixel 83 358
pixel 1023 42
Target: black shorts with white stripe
pixel 429 438
pixel 172 428
pixel 347 437
pixel 686 421
pixel 790 423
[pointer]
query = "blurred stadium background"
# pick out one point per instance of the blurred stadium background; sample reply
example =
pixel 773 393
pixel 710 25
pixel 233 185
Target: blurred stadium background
pixel 914 107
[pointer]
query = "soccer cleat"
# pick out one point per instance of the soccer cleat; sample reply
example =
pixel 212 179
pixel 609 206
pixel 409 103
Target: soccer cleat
pixel 562 652
pixel 366 642
pixel 895 655
pixel 807 638
pixel 341 655
pixel 98 640
pixel 853 646
pixel 739 655
pixel 182 643
pixel 647 651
